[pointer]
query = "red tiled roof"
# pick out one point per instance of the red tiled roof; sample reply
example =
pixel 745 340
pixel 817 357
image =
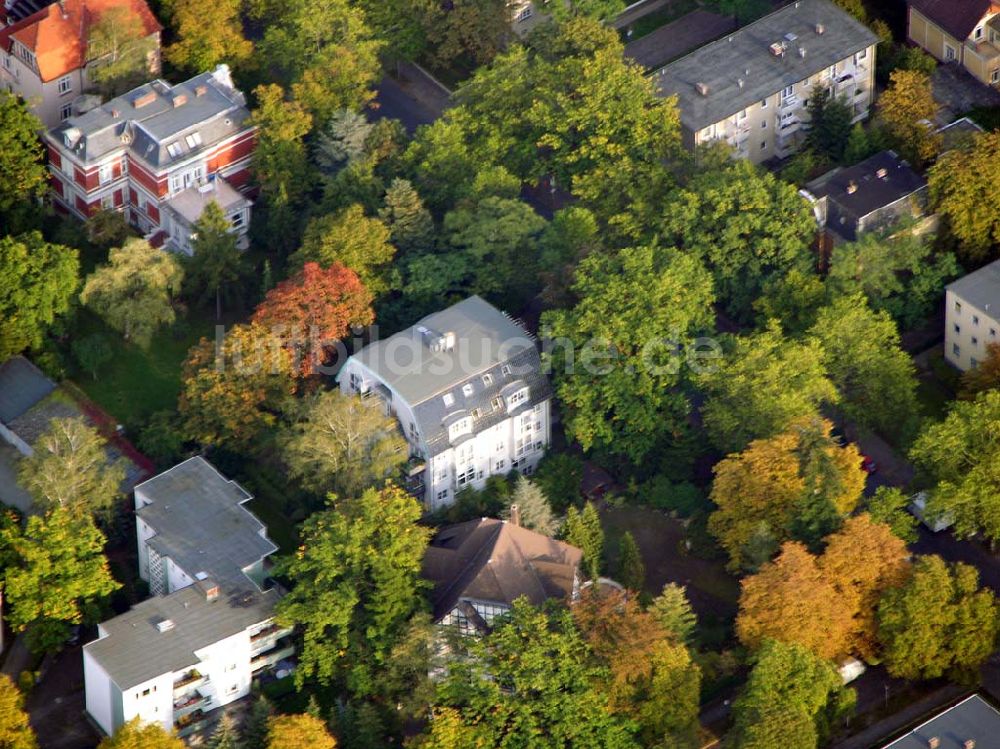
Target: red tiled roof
pixel 58 34
pixel 957 17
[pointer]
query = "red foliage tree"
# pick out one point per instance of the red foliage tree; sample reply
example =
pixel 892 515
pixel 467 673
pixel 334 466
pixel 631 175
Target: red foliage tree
pixel 313 309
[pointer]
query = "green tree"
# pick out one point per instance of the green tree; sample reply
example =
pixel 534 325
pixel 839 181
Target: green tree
pixel 207 35
pixel 631 570
pixel 939 622
pixel 344 445
pixel 59 578
pixel 746 225
pixel 862 356
pixel 216 265
pixel 793 299
pixel 23 177
pixel 70 469
pixel 138 735
pixel 280 164
pixel 37 282
pixel 957 457
pixel 959 185
pixel 889 506
pixel 254 728
pixel 352 239
pixel 788 699
pixel 15 730
pixel 439 162
pixel 225 735
pixel 830 120
pixel 906 109
pixel 533 507
pixel 410 224
pixel 760 385
pixel 617 355
pixel 583 530
pixel 107 228
pixel 357 582
pixel 341 142
pixel 902 275
pixel 560 476
pixel 119 49
pixel 859 145
pixel 742 11
pixel 526 680
pixel 133 292
pixel 466 29
pixel 571 236
pixel 674 613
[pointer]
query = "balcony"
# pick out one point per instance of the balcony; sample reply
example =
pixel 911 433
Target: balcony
pixel 987 53
pixel 190 722
pixel 266 638
pixel 283 649
pixel 195 701
pixel 790 102
pixel 188 681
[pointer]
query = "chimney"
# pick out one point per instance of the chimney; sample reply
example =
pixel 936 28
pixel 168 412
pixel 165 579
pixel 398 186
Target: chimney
pixel 969 744
pixel 179 100
pixel 820 29
pixel 933 742
pixel 802 52
pixel 881 172
pixel 701 88
pixel 515 516
pixel 851 187
pixel 209 588
pixel 739 82
pixel 200 90
pixel 115 113
pixel 147 98
pixel 164 625
pixel 777 49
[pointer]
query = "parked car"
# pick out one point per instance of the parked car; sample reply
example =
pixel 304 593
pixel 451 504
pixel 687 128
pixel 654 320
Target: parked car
pixel 868 464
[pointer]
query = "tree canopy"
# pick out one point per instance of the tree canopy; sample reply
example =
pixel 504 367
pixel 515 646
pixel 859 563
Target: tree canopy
pixel 15 730
pixel 138 735
pixel 23 176
pixel 907 108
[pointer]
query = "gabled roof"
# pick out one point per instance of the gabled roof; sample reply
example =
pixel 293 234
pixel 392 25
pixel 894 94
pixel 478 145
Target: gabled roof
pixel 957 17
pixel 58 34
pixel 494 561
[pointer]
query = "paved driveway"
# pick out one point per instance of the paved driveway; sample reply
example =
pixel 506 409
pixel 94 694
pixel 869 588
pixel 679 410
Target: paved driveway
pixel 957 92
pixel 678 38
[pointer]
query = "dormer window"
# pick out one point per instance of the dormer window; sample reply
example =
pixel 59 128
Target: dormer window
pixel 193 140
pixel 449 400
pixel 459 428
pixel 516 398
pixel 467 389
pixel 487 379
pixel 174 149
pixel 505 369
pixel 978 34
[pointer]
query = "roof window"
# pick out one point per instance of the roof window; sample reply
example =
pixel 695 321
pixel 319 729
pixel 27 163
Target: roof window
pixel 174 149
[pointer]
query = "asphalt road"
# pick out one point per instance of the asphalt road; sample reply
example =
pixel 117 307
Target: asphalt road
pixel 395 102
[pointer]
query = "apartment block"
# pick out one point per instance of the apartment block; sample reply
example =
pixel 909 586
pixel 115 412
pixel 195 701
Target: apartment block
pixel 750 88
pixel 158 153
pixel 467 387
pixel 208 630
pixel 966 32
pixel 972 316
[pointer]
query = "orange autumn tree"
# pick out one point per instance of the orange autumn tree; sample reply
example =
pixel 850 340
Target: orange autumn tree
pixel 862 560
pixel 792 600
pixel 313 309
pixel 651 678
pixel 302 731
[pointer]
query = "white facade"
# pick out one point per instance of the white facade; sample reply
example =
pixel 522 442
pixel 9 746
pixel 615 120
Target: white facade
pixel 968 329
pixel 472 456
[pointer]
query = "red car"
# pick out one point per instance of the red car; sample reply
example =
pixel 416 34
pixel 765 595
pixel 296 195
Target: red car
pixel 868 465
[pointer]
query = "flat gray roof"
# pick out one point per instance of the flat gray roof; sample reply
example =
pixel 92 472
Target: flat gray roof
pixel 189 203
pixel 980 288
pixel 746 55
pixel 200 522
pixel 135 650
pixel 972 718
pixel 22 385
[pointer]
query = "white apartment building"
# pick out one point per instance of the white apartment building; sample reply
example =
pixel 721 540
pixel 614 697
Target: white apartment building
pixel 751 88
pixel 208 628
pixel 972 316
pixel 467 387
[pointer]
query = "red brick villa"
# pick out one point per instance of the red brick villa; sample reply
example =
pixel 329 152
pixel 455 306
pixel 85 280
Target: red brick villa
pixel 159 153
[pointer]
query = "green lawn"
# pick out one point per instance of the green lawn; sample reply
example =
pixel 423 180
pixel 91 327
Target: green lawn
pixel 137 383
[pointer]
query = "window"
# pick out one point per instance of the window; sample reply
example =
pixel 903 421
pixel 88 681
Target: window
pixel 831 72
pixel 193 140
pixel 107 202
pixel 145 692
pixel 505 369
pixel 467 389
pixel 523 14
pixel 105 174
pixel 517 397
pixel 763 124
pixel 231 667
pixel 763 145
pixel 500 447
pixel 449 399
pixel 973 362
pixel 975 319
pixel 995 75
pixel 956 350
pixel 233 689
pixel 949 53
pixel 460 427
pixel 958 306
pixel 787 91
pixel 66 111
pixel 487 379
pixel 174 149
pixel 500 464
pixel 497 403
pixel 65 85
pixel 978 34
pixel 741 116
pixel 466 476
pixel 763 103
pixel 476 413
pixel 958 328
pixel 993 332
pixel 237 220
pixel 443 494
pixel 860 56
pixel 975 341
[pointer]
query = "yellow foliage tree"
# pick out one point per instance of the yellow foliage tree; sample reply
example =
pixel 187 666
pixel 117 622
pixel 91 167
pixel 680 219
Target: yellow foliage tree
pixel 298 732
pixel 793 601
pixel 138 735
pixel 15 731
pixel 906 109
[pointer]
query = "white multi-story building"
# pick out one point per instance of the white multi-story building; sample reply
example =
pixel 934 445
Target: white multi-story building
pixel 750 88
pixel 467 387
pixel 208 630
pixel 972 316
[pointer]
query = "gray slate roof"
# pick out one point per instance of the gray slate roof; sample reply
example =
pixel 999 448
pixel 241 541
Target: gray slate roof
pixel 872 192
pixel 135 650
pixel 972 718
pixel 980 288
pixel 22 385
pixel 721 64
pixel 489 345
pixel 218 113
pixel 200 522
